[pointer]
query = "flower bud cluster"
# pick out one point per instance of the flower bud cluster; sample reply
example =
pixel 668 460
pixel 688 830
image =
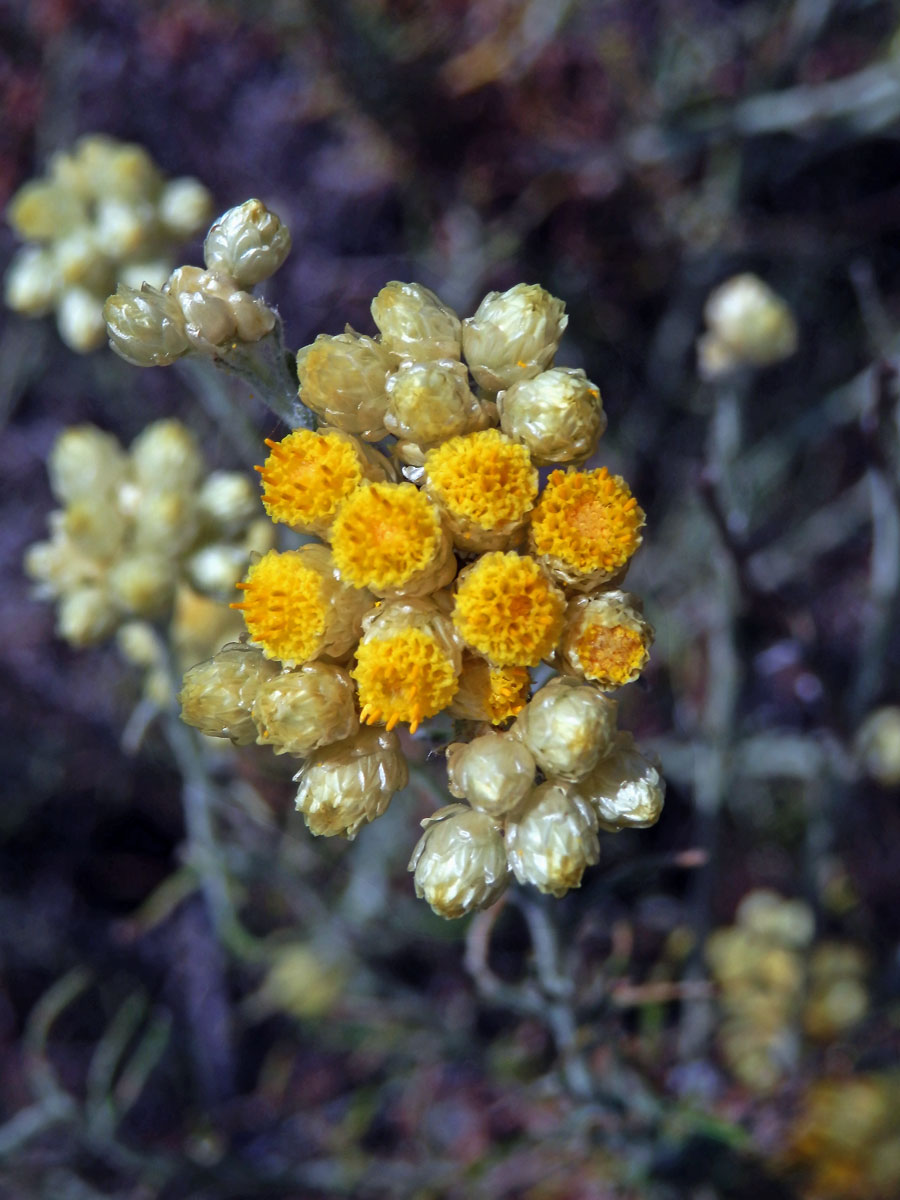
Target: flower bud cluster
pixel 747 325
pixel 133 525
pixel 203 310
pixel 774 986
pixel 103 214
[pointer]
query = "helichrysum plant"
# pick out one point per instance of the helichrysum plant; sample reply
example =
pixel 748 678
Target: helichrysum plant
pixel 438 573
pixel 103 214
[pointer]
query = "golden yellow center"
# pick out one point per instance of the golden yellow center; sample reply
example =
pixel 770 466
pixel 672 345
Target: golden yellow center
pixel 384 534
pixel 285 607
pixel 307 475
pixel 509 610
pixel 405 677
pixel 611 655
pixel 587 520
pixel 485 477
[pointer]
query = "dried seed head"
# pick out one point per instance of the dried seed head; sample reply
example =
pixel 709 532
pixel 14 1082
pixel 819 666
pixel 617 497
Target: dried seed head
pixel 513 335
pixel 428 402
pixel 494 772
pixel 296 712
pixel 459 862
pixel 625 789
pixel 415 324
pixel 145 327
pixel 248 242
pixel 568 727
pixel 552 838
pixel 342 379
pixel 606 639
pixel 344 785
pixel 558 415
pixel 508 609
pixel 217 696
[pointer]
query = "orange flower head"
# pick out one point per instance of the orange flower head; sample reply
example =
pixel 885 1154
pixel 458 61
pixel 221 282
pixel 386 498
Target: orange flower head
pixel 508 609
pixel 307 476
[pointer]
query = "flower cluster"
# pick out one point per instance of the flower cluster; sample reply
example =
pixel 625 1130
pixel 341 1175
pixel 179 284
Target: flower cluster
pixel 747 325
pixel 442 574
pixel 203 310
pixel 135 524
pixel 774 987
pixel 103 214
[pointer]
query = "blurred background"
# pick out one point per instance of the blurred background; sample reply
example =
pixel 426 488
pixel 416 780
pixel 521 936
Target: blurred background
pixel 716 1012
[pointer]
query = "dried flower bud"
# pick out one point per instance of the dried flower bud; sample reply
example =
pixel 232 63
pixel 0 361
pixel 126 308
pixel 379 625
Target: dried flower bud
pixel 203 298
pixel 493 772
pixel 459 862
pixel 303 981
pixel 166 458
pixel 567 726
pixel 344 785
pixel 80 320
pixel 625 789
pixel 513 335
pixel 552 838
pixel 217 696
pixel 145 327
pixel 85 616
pixel 749 325
pixel 139 644
pixel 41 211
pixel 32 282
pixel 789 923
pixel 84 461
pixel 428 402
pixel 152 271
pixel 80 261
pixel 489 693
pixel 228 500
pixel 248 242
pixel 142 584
pixel 184 206
pixel 342 379
pixel 123 229
pixel 606 639
pixel 415 324
pixel 877 746
pixel 296 712
pixel 558 415
pixel 216 569
pixel 253 318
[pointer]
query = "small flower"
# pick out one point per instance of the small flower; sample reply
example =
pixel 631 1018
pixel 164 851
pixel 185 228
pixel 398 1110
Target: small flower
pixel 296 712
pixel 415 324
pixel 145 327
pixel 217 696
pixel 32 283
pixel 489 693
pixel 513 335
pixel 494 772
pixel 877 745
pixel 184 206
pixel 296 608
pixel 567 726
pixel 485 484
pixel 749 325
pixel 85 461
pixel 585 526
pixel 552 838
pixel 166 457
pixel 508 609
pixel 248 242
pixel 459 862
pixel 407 664
pixel 625 789
pixel 558 415
pixel 227 501
pixel 344 785
pixel 606 639
pixel 388 537
pixel 309 474
pixel 428 402
pixel 342 379
pixel 80 320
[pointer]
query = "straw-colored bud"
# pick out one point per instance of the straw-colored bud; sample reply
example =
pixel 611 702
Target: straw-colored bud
pixel 568 727
pixel 85 616
pixel 122 169
pixel 32 282
pixel 493 772
pixel 203 299
pixel 94 525
pixel 558 415
pixel 217 695
pixel 145 327
pixel 166 457
pixel 41 211
pixel 152 271
pixel 80 320
pixel 228 500
pixel 253 318
pixel 139 644
pixel 81 260
pixel 878 746
pixel 429 402
pixel 459 861
pixel 513 335
pixel 552 838
pixel 216 569
pixel 415 324
pixel 625 789
pixel 124 229
pixel 59 566
pixel 344 785
pixel 184 206
pixel 299 711
pixel 342 379
pixel 165 523
pixel 142 584
pixel 749 325
pixel 248 242
pixel 769 916
pixel 84 461
pixel 606 639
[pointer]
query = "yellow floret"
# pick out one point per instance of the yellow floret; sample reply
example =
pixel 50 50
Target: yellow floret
pixel 489 693
pixel 384 535
pixel 285 606
pixel 484 477
pixel 586 521
pixel 508 609
pixel 611 655
pixel 405 677
pixel 307 475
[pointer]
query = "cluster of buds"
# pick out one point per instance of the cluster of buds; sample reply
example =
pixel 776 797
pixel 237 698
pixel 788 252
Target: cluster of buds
pixel 134 524
pixel 441 576
pixel 747 325
pixel 773 989
pixel 206 311
pixel 103 214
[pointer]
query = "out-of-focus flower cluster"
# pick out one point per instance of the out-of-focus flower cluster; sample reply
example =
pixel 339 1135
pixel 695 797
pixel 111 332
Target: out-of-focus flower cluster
pixel 203 310
pixel 747 325
pixel 136 525
pixel 775 986
pixel 442 575
pixel 103 214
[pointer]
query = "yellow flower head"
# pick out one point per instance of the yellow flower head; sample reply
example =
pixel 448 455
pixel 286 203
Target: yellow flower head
pixel 508 609
pixel 606 639
pixel 484 481
pixel 488 693
pixel 406 676
pixel 307 475
pixel 388 537
pixel 586 525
